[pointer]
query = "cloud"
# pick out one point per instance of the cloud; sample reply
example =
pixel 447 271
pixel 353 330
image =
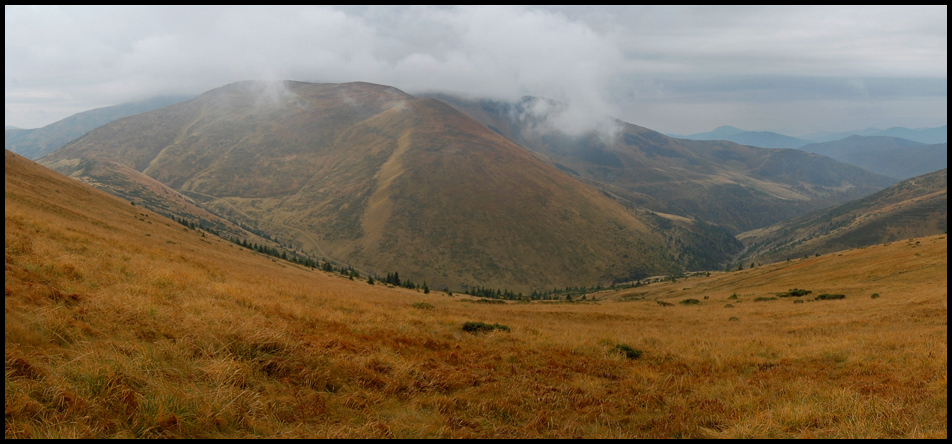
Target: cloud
pixel 600 60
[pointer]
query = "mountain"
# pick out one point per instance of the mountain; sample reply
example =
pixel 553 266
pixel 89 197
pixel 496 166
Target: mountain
pixel 921 135
pixel 889 156
pixel 726 184
pixel 719 133
pixel 370 176
pixel 763 139
pixel 36 143
pixel 912 208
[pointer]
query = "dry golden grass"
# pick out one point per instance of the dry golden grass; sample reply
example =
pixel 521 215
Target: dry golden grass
pixel 120 323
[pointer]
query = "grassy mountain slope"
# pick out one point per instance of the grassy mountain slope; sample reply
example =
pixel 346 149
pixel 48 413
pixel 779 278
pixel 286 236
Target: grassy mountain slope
pixel 889 156
pixel 735 186
pixel 912 208
pixel 370 176
pixel 115 327
pixel 36 143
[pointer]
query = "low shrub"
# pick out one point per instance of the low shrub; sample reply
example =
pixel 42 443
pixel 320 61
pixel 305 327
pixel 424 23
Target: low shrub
pixel 733 296
pixel 874 296
pixel 796 292
pixel 485 301
pixel 476 327
pixel 422 306
pixel 798 301
pixel 829 297
pixel 665 304
pixel 733 318
pixel 728 306
pixel 763 299
pixel 690 302
pixel 628 351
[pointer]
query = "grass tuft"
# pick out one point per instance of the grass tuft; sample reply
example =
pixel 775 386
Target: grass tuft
pixel 628 351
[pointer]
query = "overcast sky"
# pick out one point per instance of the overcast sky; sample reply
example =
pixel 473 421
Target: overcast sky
pixel 683 70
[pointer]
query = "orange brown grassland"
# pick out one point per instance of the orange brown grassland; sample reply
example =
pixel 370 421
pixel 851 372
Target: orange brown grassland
pixel 121 323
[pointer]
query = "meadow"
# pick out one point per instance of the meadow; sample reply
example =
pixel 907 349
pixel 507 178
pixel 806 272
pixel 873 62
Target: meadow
pixel 121 323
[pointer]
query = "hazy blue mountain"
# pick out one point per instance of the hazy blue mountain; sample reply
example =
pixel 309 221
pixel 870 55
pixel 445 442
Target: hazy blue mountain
pixel 924 135
pixel 719 133
pixel 889 156
pixel 38 142
pixel 921 135
pixel 763 139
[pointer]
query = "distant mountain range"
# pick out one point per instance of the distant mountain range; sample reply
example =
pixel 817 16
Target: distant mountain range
pixel 912 208
pixel 767 139
pixel 921 135
pixel 38 142
pixel 763 139
pixel 889 156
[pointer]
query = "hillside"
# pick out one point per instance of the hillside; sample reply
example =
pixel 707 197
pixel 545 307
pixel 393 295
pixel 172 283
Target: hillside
pixel 38 142
pixel 369 176
pixel 889 156
pixel 729 185
pixel 912 208
pixel 119 323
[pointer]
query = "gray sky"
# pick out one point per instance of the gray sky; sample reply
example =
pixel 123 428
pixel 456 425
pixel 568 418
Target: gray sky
pixel 795 70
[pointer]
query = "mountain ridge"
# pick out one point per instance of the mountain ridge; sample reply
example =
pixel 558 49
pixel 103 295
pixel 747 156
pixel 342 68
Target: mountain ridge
pixel 373 177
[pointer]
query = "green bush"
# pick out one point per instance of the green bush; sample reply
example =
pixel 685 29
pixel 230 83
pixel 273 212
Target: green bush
pixel 628 351
pixel 484 301
pixel 733 318
pixel 476 327
pixel 690 302
pixel 763 299
pixel 798 301
pixel 733 296
pixel 422 305
pixel 875 296
pixel 829 297
pixel 797 292
pixel 664 304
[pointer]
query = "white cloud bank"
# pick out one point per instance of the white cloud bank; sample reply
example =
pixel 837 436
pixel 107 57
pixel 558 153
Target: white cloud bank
pixel 636 63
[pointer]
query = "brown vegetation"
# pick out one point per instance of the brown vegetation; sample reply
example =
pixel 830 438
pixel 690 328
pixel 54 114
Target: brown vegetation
pixel 120 323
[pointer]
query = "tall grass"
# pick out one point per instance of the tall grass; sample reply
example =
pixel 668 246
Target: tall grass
pixel 119 328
